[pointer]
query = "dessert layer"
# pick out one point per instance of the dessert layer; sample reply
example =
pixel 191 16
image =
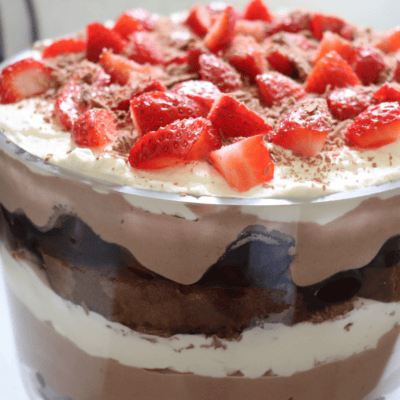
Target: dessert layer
pixel 350 379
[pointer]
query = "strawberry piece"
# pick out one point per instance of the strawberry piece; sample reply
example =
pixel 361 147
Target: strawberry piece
pixel 142 49
pixel 304 130
pixel 179 59
pixel 388 92
pixel 134 20
pixel 244 164
pixel 332 41
pixel 151 111
pixel 68 105
pixel 64 46
pixel 216 8
pixel 274 87
pixel 368 64
pixel 321 23
pixel 293 22
pixel 246 55
pixel 201 91
pixel 199 20
pixel 234 119
pixel 257 29
pixel 396 72
pixel 331 70
pixel 280 61
pixel 99 37
pixel 220 73
pixel 346 103
pixel 390 41
pixel 94 128
pixel 222 32
pixel 193 55
pixel 176 143
pixel 257 10
pixel 377 126
pixel 121 69
pixel 25 78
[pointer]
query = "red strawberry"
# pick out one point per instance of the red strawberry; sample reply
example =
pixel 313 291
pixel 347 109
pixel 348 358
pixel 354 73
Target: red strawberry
pixel 94 128
pixel 199 20
pixel 293 22
pixel 220 73
pixel 201 91
pixel 153 110
pixel 331 70
pixel 134 20
pixel 390 41
pixel 180 59
pixel 346 103
pixel 332 41
pixel 387 93
pixel 321 23
pixel 246 55
pixel 193 55
pixel 257 10
pixel 279 61
pixel 377 126
pixel 396 72
pixel 23 79
pixel 64 46
pixel 234 119
pixel 176 143
pixel 244 164
pixel 222 32
pixel 368 64
pixel 142 49
pixel 216 8
pixel 68 105
pixel 304 130
pixel 274 87
pixel 257 29
pixel 121 69
pixel 99 37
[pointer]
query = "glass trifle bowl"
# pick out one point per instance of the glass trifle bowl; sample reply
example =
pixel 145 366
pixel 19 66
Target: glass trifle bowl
pixel 135 271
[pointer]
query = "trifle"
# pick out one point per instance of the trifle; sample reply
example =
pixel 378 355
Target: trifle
pixel 204 206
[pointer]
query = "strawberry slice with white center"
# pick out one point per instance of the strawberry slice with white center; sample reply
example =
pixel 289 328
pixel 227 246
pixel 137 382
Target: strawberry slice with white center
pixel 151 111
pixel 200 91
pixel 23 79
pixel 244 164
pixel 234 119
pixel 176 143
pixel 304 130
pixel 94 129
pixel 377 126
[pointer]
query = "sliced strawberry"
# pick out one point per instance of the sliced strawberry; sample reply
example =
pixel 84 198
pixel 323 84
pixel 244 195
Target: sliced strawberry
pixel 346 103
pixel 234 119
pixel 387 93
pixel 153 110
pixel 100 37
pixel 121 69
pixel 199 20
pixel 257 29
pixel 94 128
pixel 396 72
pixel 332 41
pixel 293 22
pixel 274 87
pixel 222 32
pixel 176 143
pixel 23 79
pixel 216 8
pixel 279 60
pixel 304 130
pixel 321 23
pixel 331 70
pixel 180 59
pixel 257 10
pixel 134 20
pixel 193 55
pixel 368 64
pixel 244 164
pixel 377 126
pixel 64 46
pixel 200 91
pixel 390 41
pixel 142 49
pixel 246 55
pixel 220 73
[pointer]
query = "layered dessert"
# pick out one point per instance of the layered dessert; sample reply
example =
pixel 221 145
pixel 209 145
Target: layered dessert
pixel 204 206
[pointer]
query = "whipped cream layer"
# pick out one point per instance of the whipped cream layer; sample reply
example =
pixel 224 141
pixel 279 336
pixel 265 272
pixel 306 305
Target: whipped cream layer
pixel 276 348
